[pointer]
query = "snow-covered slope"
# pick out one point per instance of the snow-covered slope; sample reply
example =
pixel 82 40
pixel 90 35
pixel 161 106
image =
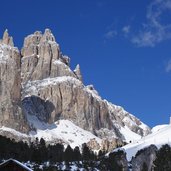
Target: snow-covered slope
pixel 159 137
pixel 61 131
pixel 158 128
pixel 129 135
pixel 64 130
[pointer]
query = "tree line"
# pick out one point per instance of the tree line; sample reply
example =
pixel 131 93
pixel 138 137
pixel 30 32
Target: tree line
pixel 39 152
pixel 163 159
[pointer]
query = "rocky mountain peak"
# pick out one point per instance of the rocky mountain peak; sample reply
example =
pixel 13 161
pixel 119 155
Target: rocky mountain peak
pixel 52 91
pixel 8 40
pixel 33 41
pixel 42 58
pixel 77 72
pixel 48 36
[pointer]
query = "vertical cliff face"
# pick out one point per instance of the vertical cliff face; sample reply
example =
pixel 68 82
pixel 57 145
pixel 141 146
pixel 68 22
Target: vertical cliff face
pixel 42 58
pixel 10 85
pixel 41 80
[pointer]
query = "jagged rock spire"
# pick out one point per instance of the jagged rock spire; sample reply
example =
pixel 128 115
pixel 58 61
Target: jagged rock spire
pixel 77 72
pixel 5 35
pixel 44 58
pixel 7 39
pixel 48 36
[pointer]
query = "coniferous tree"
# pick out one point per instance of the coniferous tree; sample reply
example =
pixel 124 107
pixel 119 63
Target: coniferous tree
pixel 55 153
pixel 100 154
pixel 86 154
pixel 68 154
pixel 42 150
pixel 76 154
pixel 111 162
pixel 163 159
pixel 144 168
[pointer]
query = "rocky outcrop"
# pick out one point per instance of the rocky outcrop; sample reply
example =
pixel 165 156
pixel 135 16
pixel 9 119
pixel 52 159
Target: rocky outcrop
pixel 144 159
pixel 77 72
pixel 18 137
pixel 93 144
pixel 109 145
pixel 115 161
pixel 10 85
pixel 7 40
pixel 42 58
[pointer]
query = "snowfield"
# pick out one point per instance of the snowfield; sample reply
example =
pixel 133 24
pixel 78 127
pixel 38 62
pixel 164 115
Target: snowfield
pixel 129 135
pixel 63 130
pixel 160 136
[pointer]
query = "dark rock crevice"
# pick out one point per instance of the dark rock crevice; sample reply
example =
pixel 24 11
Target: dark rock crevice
pixel 39 107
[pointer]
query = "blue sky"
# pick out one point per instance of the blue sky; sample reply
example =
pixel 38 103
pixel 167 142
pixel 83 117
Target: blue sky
pixel 123 47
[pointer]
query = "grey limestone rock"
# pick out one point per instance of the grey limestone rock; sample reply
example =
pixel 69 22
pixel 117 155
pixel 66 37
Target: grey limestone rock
pixel 42 58
pixel 144 157
pixel 77 72
pixel 7 39
pixel 10 86
pixel 72 102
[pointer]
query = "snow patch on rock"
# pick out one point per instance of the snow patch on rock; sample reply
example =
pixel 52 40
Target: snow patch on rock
pixel 34 86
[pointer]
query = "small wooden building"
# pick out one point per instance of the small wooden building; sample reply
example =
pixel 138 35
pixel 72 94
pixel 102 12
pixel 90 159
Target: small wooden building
pixel 13 165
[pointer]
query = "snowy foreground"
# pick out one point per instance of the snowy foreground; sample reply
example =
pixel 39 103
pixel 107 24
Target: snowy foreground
pixel 63 166
pixel 160 136
pixel 71 166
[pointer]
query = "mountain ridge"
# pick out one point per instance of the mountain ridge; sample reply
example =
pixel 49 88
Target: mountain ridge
pixel 48 89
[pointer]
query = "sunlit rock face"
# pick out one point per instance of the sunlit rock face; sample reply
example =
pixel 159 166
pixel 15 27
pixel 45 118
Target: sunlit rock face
pixel 10 85
pixel 38 81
